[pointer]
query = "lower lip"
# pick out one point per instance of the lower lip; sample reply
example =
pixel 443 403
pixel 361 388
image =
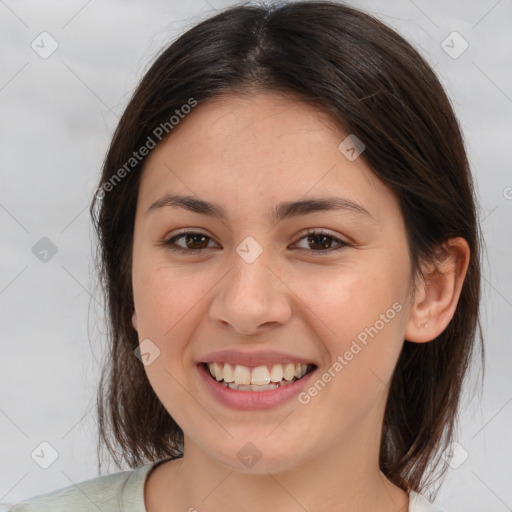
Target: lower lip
pixel 249 400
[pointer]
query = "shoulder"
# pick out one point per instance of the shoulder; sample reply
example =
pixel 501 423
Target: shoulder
pixel 117 492
pixel 418 503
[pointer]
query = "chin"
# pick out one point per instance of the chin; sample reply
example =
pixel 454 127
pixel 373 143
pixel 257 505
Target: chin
pixel 258 457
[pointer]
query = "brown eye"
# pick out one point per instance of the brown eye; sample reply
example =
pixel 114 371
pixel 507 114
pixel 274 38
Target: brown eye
pixel 194 242
pixel 320 242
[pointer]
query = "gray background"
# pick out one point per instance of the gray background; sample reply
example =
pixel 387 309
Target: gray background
pixel 58 115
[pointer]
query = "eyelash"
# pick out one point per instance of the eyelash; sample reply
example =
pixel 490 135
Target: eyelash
pixel 169 244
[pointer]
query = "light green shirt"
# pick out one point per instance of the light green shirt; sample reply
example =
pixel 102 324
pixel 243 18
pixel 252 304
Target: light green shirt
pixel 124 492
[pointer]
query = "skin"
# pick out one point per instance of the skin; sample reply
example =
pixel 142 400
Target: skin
pixel 248 154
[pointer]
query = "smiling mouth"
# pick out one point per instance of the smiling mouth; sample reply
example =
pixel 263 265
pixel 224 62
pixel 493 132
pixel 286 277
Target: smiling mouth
pixel 259 378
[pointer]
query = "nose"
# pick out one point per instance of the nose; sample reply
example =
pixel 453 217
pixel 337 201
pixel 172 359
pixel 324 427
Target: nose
pixel 252 297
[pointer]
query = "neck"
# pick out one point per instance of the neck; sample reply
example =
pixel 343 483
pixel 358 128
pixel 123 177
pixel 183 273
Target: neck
pixel 316 488
pixel 346 479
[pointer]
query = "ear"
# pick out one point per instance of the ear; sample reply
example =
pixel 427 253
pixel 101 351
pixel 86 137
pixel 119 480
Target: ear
pixel 134 320
pixel 437 293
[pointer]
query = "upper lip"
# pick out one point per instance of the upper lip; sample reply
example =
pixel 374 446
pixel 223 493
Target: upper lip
pixel 253 358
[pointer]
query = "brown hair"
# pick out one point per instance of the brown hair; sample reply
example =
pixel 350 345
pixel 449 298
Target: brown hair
pixel 376 86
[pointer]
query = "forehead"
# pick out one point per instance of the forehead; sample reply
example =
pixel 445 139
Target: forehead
pixel 261 148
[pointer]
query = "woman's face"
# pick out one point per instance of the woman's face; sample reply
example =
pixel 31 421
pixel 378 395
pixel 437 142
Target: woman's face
pixel 263 294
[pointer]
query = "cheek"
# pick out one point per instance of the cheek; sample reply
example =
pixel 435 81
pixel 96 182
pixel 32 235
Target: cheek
pixel 163 294
pixel 351 299
pixel 167 301
pixel 170 303
pixel 361 319
pixel 362 324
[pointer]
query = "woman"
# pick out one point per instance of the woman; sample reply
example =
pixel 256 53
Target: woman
pixel 290 254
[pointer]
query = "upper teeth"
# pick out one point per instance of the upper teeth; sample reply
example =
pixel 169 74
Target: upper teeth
pixel 260 375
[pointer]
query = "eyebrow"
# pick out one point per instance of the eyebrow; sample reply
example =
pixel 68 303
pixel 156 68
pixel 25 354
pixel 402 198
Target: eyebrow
pixel 282 211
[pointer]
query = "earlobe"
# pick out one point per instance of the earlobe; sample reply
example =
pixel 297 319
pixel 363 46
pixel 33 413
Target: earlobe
pixel 437 296
pixel 134 320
